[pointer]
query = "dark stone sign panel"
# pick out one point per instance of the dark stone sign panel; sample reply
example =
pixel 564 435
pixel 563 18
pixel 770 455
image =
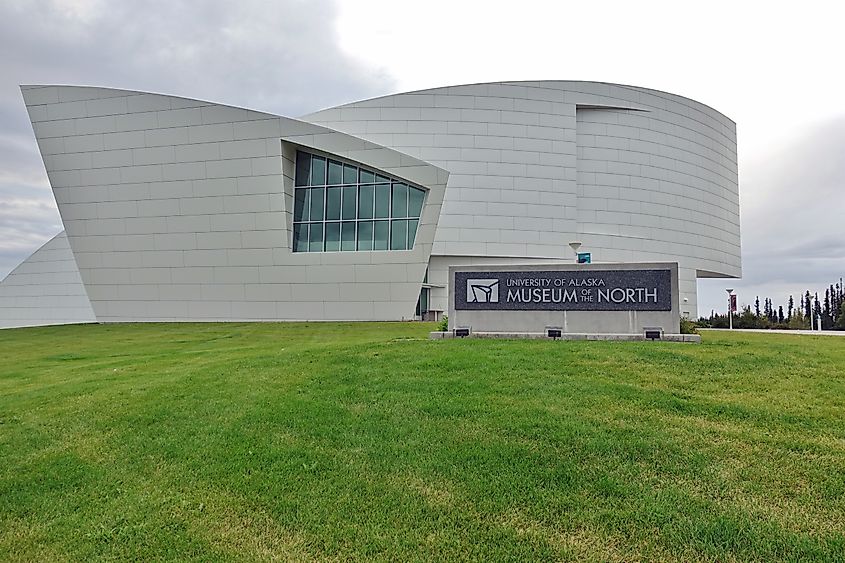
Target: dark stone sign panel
pixel 562 290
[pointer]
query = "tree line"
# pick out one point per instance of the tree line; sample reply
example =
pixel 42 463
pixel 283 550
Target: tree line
pixel 830 308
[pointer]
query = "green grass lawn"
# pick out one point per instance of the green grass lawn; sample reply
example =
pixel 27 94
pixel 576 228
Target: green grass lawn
pixel 368 441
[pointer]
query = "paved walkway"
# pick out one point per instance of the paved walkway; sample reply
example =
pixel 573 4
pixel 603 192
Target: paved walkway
pixel 777 331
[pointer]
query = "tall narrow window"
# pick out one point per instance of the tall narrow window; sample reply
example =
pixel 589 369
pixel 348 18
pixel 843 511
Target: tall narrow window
pixel 365 201
pixel 318 171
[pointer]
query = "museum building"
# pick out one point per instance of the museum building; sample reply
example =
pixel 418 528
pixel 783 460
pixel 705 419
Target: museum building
pixel 177 209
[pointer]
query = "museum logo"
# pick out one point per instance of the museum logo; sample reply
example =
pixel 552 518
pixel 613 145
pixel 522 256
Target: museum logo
pixel 482 291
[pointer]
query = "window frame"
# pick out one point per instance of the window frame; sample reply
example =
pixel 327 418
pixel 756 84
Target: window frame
pixel 366 177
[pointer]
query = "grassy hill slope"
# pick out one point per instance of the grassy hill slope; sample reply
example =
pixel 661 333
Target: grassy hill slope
pixel 367 441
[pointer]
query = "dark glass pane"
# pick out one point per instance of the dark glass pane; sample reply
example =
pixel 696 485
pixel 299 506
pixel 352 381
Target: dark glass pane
pixel 332 204
pixel 300 205
pixel 350 174
pixel 382 201
pixel 381 235
pixel 350 197
pixel 365 202
pixel 380 179
pixel 332 237
pixel 398 235
pixel 300 237
pixel 318 171
pixel 424 300
pixel 335 172
pixel 412 232
pixel 303 168
pixel 317 196
pixel 347 236
pixel 316 237
pixel 415 202
pixel 399 207
pixel 365 235
pixel 367 177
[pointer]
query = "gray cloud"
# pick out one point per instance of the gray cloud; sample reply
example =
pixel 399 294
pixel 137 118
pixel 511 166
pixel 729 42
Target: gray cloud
pixel 279 57
pixel 282 57
pixel 793 221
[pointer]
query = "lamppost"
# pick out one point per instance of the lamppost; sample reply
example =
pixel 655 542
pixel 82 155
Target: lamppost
pixel 575 245
pixel 811 312
pixel 730 309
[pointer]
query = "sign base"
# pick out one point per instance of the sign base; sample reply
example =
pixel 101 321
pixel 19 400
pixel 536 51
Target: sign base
pixel 692 338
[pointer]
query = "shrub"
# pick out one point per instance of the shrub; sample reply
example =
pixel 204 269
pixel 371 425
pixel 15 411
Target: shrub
pixel 443 325
pixel 688 326
pixel 797 322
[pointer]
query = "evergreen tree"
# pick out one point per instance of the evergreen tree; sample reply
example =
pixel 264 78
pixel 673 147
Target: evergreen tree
pixel 790 307
pixel 840 301
pixel 841 293
pixel 808 308
pixel 826 310
pixel 780 314
pixel 757 306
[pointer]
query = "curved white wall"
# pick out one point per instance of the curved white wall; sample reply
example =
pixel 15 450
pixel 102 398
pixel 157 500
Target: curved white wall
pixel 45 289
pixel 635 174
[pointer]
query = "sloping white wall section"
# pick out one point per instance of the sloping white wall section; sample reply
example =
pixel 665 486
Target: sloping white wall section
pixel 180 209
pixel 45 289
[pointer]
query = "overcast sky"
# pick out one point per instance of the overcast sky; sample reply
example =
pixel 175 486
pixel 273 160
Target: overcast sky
pixel 774 68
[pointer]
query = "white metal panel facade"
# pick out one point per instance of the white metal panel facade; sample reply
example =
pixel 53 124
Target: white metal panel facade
pixel 634 174
pixel 179 209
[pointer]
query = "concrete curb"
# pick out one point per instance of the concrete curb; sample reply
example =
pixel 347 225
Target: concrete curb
pixel 799 332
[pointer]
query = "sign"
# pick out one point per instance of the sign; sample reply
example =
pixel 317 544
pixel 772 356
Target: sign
pixel 585 258
pixel 564 290
pixel 733 303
